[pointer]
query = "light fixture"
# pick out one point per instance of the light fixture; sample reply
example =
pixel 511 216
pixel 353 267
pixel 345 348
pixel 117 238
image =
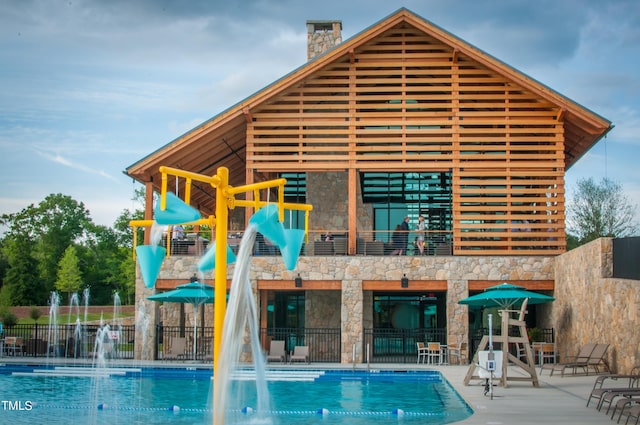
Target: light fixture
pixel 404 282
pixel 298 281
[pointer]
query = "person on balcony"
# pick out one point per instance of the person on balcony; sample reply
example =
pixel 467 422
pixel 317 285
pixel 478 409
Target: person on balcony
pixel 404 227
pixel 420 228
pixel 397 238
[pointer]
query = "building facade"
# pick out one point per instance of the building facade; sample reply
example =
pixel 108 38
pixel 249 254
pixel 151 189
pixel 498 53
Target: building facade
pixel 403 120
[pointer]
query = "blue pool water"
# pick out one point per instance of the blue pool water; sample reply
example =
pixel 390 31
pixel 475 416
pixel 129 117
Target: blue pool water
pixel 31 394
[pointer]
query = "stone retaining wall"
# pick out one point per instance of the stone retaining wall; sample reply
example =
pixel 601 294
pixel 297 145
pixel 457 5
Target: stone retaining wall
pixel 591 306
pixel 323 307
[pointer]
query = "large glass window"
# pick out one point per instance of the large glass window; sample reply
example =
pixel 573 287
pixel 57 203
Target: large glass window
pixel 396 195
pixel 409 311
pixel 295 191
pixel 286 310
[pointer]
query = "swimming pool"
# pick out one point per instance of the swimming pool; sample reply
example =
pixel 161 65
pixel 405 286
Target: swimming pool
pixel 31 394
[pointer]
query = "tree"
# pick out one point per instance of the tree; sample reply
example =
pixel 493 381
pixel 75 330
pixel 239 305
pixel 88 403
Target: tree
pixel 22 284
pixel 53 225
pixel 69 277
pixel 600 210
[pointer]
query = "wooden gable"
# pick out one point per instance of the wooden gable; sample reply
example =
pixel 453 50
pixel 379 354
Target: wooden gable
pixel 406 96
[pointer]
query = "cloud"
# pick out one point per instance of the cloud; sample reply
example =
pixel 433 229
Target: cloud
pixel 59 159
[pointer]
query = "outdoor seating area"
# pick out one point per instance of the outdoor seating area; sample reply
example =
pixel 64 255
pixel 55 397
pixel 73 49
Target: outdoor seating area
pixel 590 356
pixel 432 353
pixel 13 346
pixel 620 393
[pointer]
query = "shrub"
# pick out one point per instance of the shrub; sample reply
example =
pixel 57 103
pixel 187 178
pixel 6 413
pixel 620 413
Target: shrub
pixel 9 319
pixel 35 314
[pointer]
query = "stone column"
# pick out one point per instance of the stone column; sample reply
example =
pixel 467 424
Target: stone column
pixel 457 314
pixel 145 321
pixel 351 321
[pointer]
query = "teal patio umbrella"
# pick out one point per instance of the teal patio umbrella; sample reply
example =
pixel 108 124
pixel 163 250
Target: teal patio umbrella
pixel 195 293
pixel 505 296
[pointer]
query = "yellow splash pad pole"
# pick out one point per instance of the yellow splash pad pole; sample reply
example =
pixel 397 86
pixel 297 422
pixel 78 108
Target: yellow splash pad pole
pixel 225 200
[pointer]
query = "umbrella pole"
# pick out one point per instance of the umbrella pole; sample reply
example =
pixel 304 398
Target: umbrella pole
pixel 195 329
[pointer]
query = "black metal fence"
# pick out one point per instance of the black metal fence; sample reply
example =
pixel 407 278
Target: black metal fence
pixel 177 343
pixel 324 344
pixel 71 341
pixel 398 345
pixel 475 336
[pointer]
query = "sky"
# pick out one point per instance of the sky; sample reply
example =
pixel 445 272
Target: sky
pixel 89 87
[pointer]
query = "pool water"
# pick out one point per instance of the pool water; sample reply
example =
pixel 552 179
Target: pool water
pixel 180 396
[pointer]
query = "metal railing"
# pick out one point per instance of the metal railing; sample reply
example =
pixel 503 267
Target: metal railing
pixel 398 345
pixel 475 336
pixel 71 341
pixel 324 344
pixel 326 242
pixel 177 343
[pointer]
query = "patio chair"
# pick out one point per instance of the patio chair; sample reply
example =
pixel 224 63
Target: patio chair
pixel 277 352
pixel 546 351
pixel 422 352
pixel 597 358
pixel 434 353
pixel 300 353
pixel 340 246
pixel 176 349
pixel 13 345
pixel 573 363
pixel 458 351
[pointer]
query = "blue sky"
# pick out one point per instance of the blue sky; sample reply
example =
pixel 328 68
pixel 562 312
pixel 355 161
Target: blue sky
pixel 88 87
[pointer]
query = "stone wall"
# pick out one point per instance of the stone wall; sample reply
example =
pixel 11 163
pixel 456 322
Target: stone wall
pixel 322 36
pixel 591 306
pixel 352 302
pixel 330 208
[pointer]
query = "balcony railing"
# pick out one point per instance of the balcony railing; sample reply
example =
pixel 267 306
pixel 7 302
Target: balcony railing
pixel 325 243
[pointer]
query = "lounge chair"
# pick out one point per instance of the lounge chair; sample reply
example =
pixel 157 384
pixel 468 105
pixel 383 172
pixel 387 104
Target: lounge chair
pixel 579 361
pixel 176 350
pixel 623 404
pixel 605 384
pixel 597 358
pixel 277 352
pixel 633 413
pixel 300 353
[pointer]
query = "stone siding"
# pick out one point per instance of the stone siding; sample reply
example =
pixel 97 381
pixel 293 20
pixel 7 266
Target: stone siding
pixel 591 306
pixel 353 303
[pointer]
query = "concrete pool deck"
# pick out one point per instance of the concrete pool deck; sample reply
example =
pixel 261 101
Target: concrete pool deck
pixel 556 400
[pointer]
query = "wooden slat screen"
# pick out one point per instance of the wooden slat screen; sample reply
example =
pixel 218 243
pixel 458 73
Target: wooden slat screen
pixel 407 102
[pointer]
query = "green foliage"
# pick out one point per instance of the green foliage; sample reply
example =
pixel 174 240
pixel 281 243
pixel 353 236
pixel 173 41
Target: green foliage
pixel 35 314
pixel 535 335
pixel 69 277
pixel 600 210
pixel 22 282
pixel 9 319
pixel 33 261
pixel 53 225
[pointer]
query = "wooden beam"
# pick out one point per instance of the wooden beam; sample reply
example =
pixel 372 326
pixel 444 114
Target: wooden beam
pixel 532 285
pixel 414 285
pixel 307 285
pixel 247 115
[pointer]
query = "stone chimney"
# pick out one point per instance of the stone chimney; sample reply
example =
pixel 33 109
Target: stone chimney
pixel 322 36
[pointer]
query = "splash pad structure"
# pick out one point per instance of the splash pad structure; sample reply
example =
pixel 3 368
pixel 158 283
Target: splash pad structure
pixel 268 219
